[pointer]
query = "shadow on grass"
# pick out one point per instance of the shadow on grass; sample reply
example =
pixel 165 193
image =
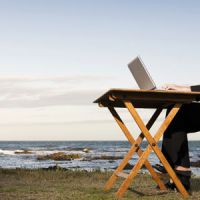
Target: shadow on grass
pixel 195 187
pixel 157 193
pixel 195 184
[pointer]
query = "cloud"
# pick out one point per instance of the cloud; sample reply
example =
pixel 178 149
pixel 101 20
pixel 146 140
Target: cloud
pixel 18 79
pixel 53 123
pixel 50 91
pixel 70 98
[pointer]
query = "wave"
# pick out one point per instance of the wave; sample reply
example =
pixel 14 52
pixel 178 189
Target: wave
pixel 36 152
pixel 7 152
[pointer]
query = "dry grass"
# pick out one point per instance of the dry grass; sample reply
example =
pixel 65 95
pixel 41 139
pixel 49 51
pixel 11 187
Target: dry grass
pixel 76 185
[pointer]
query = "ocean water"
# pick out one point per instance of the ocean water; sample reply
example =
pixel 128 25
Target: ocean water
pixel 9 158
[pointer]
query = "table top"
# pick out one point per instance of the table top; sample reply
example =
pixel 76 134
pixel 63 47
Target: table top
pixel 146 98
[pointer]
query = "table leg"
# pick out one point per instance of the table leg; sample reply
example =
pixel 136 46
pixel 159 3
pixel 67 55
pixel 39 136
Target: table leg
pixel 153 145
pixel 134 148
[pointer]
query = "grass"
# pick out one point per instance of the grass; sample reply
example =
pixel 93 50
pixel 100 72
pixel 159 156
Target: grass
pixel 61 184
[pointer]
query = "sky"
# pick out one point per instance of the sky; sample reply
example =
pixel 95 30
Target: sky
pixel 57 57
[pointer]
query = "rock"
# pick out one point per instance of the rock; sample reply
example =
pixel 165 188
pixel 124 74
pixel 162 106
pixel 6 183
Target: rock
pixel 128 166
pixel 86 150
pixel 23 152
pixel 60 156
pixel 109 158
pixel 55 167
pixel 103 157
pixel 195 163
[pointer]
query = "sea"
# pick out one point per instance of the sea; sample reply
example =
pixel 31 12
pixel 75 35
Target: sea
pixel 12 156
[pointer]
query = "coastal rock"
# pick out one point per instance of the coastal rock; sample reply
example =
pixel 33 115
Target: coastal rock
pixel 23 152
pixel 60 156
pixel 86 150
pixel 55 167
pixel 103 157
pixel 129 167
pixel 195 163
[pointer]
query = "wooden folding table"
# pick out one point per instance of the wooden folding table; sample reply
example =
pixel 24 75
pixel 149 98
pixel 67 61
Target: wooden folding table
pixel 150 99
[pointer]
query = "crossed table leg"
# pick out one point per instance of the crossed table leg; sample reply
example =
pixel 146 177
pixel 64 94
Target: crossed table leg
pixel 136 148
pixel 144 155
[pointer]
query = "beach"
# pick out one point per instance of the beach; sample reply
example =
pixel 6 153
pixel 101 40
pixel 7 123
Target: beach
pixel 77 170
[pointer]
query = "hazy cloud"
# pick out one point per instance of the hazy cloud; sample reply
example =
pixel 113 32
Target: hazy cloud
pixel 48 91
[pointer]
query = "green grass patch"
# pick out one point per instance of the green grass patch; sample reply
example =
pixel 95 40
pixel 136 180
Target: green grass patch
pixel 67 184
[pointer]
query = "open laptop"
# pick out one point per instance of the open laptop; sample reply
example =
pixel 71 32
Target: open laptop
pixel 141 74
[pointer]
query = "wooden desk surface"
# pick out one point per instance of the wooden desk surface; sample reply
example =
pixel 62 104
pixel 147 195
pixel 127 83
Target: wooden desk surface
pixel 146 98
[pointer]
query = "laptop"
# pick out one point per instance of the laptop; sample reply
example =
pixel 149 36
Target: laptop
pixel 141 74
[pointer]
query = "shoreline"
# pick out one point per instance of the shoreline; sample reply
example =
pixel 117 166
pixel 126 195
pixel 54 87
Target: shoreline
pixel 195 170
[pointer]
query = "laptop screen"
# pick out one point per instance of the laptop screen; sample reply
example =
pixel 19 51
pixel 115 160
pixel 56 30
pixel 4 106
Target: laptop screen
pixel 141 74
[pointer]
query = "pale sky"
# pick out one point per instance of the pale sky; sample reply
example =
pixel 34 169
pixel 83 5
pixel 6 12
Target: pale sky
pixel 56 57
